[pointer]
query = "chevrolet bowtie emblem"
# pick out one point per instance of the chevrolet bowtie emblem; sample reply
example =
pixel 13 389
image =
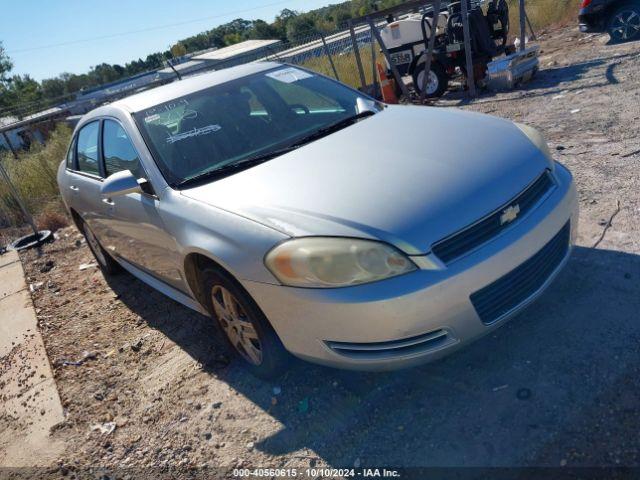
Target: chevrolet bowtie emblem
pixel 509 214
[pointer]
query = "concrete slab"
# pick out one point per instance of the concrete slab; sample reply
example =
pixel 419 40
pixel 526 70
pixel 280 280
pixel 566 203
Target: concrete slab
pixel 16 324
pixel 9 257
pixel 29 400
pixel 11 279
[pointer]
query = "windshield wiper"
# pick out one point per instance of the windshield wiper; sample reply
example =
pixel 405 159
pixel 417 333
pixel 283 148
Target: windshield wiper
pixel 263 157
pixel 334 127
pixel 230 168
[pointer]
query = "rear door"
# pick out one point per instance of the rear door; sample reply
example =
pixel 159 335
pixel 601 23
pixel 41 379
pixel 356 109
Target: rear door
pixel 85 177
pixel 133 225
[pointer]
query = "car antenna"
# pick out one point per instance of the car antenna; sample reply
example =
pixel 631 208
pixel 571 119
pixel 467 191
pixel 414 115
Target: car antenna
pixel 174 70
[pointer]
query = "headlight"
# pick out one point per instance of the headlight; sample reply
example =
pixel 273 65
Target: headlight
pixel 326 262
pixel 537 139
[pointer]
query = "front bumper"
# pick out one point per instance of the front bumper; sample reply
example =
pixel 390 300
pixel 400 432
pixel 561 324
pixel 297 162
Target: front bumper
pixel 423 315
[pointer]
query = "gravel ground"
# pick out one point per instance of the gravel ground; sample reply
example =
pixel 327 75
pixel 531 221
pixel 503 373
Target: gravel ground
pixel 559 385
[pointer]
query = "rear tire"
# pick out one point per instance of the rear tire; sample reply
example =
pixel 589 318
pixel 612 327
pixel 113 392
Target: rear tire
pixel 247 332
pixel 438 79
pixel 105 261
pixel 624 24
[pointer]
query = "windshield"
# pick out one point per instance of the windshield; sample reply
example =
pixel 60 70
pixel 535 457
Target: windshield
pixel 247 117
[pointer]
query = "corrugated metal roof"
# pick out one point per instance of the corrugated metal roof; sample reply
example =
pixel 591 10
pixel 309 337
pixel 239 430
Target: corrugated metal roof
pixel 231 51
pixel 183 67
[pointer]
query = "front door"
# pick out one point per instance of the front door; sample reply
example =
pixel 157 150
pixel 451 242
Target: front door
pixel 134 229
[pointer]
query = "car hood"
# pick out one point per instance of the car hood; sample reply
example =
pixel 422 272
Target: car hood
pixel 408 175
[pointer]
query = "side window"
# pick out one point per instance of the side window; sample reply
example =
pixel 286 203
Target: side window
pixel 71 154
pixel 88 148
pixel 119 153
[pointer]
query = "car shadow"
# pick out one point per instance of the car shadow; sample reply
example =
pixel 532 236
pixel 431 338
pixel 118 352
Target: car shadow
pixel 556 375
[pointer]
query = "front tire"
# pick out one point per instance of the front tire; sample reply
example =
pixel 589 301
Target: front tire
pixel 624 23
pixel 247 331
pixel 438 80
pixel 106 263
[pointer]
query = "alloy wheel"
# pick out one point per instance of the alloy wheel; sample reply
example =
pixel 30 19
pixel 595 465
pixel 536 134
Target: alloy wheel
pixel 237 326
pixel 625 25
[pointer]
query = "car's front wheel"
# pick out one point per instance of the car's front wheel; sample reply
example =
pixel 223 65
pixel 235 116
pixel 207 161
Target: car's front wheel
pixel 106 263
pixel 245 327
pixel 624 24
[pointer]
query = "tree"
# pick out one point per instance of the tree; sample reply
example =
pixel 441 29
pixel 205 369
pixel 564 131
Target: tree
pixel 299 27
pixel 178 50
pixel 262 30
pixel 53 88
pixel 5 64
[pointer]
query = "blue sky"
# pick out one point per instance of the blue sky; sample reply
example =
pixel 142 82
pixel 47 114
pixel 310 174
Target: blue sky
pixel 28 25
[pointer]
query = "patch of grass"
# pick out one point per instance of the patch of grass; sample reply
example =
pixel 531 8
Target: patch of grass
pixel 543 13
pixel 33 174
pixel 346 66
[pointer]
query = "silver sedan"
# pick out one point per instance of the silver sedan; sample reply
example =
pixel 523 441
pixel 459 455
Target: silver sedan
pixel 308 219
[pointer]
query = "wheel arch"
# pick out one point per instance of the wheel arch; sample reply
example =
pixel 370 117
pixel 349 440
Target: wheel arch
pixel 194 264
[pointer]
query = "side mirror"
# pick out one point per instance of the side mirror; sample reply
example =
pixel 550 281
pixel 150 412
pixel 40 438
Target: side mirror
pixel 121 183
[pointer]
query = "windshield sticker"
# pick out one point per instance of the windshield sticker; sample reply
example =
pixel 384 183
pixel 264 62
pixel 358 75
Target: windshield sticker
pixel 152 118
pixel 289 75
pixel 195 132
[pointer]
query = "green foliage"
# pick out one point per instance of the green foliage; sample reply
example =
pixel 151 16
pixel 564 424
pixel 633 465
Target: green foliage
pixel 5 64
pixel 178 50
pixel 34 176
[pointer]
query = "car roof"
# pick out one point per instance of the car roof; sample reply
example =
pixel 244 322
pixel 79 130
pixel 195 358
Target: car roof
pixel 165 93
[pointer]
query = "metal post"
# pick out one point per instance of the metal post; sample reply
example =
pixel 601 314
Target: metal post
pixel 363 81
pixel 18 199
pixel 13 151
pixel 429 48
pixel 533 34
pixel 471 82
pixel 374 70
pixel 385 52
pixel 328 53
pixel 523 26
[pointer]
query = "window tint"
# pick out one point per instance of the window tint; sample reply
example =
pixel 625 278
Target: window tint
pixel 71 154
pixel 119 153
pixel 88 149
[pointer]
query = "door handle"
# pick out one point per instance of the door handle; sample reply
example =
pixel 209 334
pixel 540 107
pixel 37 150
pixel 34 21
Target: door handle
pixel 74 188
pixel 108 201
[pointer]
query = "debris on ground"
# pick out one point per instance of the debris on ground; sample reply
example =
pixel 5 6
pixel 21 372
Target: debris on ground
pixel 104 428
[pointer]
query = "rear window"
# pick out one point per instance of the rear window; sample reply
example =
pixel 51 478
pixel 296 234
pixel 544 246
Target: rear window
pixel 88 149
pixel 71 154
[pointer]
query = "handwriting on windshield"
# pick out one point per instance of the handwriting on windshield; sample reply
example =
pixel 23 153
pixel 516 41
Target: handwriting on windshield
pixel 195 132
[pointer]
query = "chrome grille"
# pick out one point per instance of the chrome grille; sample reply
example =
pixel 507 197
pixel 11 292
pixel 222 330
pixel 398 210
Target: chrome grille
pixel 514 288
pixel 472 237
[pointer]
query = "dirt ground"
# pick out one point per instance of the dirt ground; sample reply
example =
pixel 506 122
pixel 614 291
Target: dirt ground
pixel 557 386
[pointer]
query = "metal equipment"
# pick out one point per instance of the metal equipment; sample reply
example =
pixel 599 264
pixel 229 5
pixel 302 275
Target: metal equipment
pixel 463 38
